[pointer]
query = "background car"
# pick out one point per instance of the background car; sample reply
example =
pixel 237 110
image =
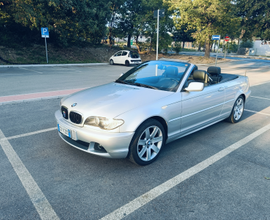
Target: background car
pixel 125 57
pixel 149 106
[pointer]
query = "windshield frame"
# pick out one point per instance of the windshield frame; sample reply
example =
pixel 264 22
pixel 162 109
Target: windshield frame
pixel 123 79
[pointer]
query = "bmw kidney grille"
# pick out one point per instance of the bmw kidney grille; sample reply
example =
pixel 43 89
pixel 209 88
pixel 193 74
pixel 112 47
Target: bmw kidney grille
pixel 75 117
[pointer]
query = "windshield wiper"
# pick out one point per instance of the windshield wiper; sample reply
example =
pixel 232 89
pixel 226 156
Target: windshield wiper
pixel 146 86
pixel 122 81
pixel 135 84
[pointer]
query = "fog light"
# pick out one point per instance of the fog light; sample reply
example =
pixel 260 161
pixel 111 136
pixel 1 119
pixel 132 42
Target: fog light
pixel 99 148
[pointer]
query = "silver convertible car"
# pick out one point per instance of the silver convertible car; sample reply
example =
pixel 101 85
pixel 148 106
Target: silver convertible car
pixel 149 106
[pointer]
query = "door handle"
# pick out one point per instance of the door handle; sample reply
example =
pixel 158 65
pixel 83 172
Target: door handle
pixel 221 89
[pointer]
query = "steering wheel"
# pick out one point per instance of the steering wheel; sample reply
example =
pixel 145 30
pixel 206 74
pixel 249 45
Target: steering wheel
pixel 168 82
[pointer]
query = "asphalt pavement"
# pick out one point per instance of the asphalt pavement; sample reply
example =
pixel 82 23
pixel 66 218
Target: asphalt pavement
pixel 220 172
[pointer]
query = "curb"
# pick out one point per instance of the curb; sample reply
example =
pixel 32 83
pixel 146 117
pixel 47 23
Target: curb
pixel 228 55
pixel 250 57
pixel 53 65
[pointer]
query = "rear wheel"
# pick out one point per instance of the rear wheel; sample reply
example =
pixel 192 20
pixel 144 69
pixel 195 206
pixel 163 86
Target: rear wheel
pixel 111 62
pixel 237 111
pixel 147 143
pixel 127 63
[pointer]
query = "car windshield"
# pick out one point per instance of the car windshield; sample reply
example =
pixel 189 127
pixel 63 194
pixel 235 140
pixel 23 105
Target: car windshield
pixel 161 75
pixel 134 55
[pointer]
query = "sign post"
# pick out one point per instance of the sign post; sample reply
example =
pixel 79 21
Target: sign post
pixel 158 13
pixel 216 37
pixel 45 34
pixel 227 38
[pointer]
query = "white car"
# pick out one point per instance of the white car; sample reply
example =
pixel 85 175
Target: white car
pixel 125 57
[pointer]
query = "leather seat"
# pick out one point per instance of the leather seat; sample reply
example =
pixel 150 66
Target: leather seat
pixel 214 73
pixel 201 76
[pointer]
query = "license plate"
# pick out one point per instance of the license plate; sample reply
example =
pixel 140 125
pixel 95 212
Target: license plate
pixel 69 133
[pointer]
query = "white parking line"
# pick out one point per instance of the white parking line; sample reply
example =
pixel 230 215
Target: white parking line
pixel 159 190
pixel 257 112
pixel 260 83
pixel 257 97
pixel 38 199
pixel 30 133
pixel 31 70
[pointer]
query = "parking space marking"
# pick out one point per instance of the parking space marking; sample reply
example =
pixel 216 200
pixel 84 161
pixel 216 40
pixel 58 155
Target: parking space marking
pixel 257 97
pixel 30 133
pixel 257 112
pixel 37 197
pixel 260 83
pixel 164 187
pixel 30 70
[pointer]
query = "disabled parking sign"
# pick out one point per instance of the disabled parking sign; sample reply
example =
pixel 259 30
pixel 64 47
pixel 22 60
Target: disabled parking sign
pixel 45 32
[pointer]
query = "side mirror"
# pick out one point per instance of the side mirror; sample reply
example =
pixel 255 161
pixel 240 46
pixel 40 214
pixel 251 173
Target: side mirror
pixel 195 87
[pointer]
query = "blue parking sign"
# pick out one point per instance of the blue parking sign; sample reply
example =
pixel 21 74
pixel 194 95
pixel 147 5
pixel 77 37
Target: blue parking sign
pixel 215 37
pixel 44 32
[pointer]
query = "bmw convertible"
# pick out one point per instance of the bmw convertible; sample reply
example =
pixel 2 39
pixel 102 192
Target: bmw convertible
pixel 149 106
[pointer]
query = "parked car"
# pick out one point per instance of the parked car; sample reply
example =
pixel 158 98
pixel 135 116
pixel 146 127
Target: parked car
pixel 125 57
pixel 149 106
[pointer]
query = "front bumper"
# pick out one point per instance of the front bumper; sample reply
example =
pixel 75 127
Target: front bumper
pixel 113 145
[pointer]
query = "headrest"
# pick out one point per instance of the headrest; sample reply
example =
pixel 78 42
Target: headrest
pixel 214 70
pixel 171 71
pixel 199 75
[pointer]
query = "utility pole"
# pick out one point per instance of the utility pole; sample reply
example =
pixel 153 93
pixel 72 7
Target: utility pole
pixel 158 13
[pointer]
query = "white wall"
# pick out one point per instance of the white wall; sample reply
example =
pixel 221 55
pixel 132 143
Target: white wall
pixel 261 48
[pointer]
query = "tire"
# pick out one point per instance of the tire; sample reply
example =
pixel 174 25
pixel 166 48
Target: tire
pixel 147 143
pixel 127 63
pixel 237 111
pixel 111 62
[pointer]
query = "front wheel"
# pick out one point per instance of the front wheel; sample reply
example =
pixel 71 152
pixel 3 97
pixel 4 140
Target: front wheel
pixel 237 111
pixel 147 143
pixel 111 62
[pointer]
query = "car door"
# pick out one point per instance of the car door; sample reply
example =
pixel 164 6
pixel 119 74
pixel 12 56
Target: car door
pixel 231 89
pixel 201 108
pixel 117 57
pixel 124 57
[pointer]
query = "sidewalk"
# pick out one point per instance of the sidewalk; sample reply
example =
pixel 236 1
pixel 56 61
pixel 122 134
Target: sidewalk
pixel 213 54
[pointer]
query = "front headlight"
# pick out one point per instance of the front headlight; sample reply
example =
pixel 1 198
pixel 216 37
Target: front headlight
pixel 103 123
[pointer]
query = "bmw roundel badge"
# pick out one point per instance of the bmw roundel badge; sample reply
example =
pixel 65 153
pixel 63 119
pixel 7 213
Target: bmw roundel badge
pixel 74 104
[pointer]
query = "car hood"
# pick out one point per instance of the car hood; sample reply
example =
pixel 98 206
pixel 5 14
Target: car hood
pixel 111 100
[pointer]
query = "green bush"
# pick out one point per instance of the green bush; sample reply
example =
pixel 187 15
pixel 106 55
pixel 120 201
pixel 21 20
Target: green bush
pixel 177 47
pixel 232 47
pixel 246 44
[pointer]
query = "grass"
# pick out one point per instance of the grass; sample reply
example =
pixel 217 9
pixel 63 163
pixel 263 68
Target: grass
pixel 35 54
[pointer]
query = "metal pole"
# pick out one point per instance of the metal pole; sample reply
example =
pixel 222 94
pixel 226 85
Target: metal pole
pixel 157 33
pixel 225 51
pixel 217 53
pixel 46 50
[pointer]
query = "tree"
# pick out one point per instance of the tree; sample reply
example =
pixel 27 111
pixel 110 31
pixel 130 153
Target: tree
pixel 183 34
pixel 127 17
pixel 115 6
pixel 68 21
pixel 136 18
pixel 207 17
pixel 255 20
pixel 149 26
